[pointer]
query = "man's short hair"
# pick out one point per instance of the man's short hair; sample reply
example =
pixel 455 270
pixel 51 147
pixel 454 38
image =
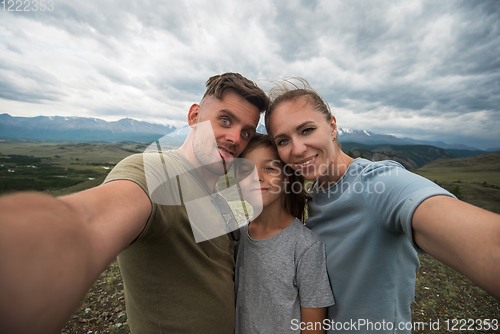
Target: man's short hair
pixel 218 84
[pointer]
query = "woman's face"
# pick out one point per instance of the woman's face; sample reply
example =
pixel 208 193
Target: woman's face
pixel 304 137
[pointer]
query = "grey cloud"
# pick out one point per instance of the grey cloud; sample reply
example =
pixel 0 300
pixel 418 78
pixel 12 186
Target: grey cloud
pixel 14 78
pixel 414 59
pixel 471 64
pixel 10 91
pixel 12 47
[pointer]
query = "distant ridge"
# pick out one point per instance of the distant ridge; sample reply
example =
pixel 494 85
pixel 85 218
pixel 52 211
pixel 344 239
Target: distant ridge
pixel 410 156
pixel 57 128
pixel 370 138
pixel 80 129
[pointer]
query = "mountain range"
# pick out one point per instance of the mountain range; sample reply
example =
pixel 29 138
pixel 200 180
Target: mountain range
pixel 82 129
pixel 79 129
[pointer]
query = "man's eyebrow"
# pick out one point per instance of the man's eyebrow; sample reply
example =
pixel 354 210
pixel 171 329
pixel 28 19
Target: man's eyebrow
pixel 229 113
pixel 301 125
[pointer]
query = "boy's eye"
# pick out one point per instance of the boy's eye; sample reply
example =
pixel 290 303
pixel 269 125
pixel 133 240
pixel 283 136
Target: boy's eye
pixel 272 170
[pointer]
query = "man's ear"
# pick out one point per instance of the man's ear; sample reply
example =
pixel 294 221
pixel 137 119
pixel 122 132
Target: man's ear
pixel 194 115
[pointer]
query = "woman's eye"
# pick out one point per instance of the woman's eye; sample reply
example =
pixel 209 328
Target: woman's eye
pixel 281 142
pixel 308 130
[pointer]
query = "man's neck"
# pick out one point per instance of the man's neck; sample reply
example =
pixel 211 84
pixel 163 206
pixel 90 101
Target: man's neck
pixel 210 179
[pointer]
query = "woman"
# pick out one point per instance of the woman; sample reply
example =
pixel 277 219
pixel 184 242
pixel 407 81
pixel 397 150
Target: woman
pixel 372 217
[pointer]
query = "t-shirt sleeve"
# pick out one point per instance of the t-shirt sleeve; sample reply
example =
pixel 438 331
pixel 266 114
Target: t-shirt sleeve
pixel 312 278
pixel 132 169
pixel 393 194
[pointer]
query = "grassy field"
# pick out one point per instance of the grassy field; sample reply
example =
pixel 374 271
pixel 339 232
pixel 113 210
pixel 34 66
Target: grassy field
pixel 475 180
pixel 441 293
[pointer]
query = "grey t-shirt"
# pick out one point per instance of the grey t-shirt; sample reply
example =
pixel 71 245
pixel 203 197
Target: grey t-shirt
pixel 277 276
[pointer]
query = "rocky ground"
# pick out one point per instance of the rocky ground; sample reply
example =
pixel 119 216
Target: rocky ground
pixel 441 295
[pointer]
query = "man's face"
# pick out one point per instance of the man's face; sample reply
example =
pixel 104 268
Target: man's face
pixel 223 129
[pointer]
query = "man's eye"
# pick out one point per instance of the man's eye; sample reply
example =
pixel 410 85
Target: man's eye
pixel 245 134
pixel 225 121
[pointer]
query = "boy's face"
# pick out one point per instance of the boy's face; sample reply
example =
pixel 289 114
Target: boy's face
pixel 260 176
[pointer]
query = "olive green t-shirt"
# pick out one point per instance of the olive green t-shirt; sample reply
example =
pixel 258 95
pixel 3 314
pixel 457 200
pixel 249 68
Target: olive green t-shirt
pixel 173 284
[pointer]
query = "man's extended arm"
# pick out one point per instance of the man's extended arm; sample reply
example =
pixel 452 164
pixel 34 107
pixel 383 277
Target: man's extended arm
pixel 53 249
pixel 462 236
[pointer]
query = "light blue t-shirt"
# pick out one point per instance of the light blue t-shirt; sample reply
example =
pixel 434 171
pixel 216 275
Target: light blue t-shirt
pixel 365 221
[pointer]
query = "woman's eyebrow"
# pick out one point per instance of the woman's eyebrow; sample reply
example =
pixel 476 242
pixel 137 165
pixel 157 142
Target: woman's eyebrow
pixel 303 124
pixel 297 128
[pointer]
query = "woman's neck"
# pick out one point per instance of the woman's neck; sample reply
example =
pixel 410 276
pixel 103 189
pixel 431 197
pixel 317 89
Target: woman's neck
pixel 338 167
pixel 271 221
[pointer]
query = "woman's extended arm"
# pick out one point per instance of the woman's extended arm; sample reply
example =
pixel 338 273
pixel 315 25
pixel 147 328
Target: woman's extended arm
pixel 462 236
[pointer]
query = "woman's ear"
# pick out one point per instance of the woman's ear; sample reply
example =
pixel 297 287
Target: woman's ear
pixel 194 115
pixel 333 125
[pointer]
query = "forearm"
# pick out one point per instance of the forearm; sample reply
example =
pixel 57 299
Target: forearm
pixel 46 263
pixel 313 318
pixel 462 236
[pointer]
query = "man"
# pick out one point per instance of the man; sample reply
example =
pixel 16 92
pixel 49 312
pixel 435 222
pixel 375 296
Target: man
pixel 53 249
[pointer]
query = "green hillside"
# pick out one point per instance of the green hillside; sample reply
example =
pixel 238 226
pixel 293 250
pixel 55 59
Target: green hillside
pixel 475 180
pixel 441 292
pixel 410 156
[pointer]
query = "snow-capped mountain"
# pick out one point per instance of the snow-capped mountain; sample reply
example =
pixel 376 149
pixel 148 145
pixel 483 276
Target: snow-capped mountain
pixel 370 138
pixel 94 129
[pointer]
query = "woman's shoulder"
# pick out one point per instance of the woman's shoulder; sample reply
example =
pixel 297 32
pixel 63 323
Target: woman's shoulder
pixel 368 164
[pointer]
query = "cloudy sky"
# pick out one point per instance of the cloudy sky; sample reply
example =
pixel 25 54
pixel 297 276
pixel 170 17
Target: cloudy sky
pixel 422 69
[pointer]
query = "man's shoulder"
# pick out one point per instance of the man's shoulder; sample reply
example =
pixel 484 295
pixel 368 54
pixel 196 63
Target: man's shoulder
pixel 150 153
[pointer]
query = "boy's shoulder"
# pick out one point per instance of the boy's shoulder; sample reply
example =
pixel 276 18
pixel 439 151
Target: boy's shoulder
pixel 305 237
